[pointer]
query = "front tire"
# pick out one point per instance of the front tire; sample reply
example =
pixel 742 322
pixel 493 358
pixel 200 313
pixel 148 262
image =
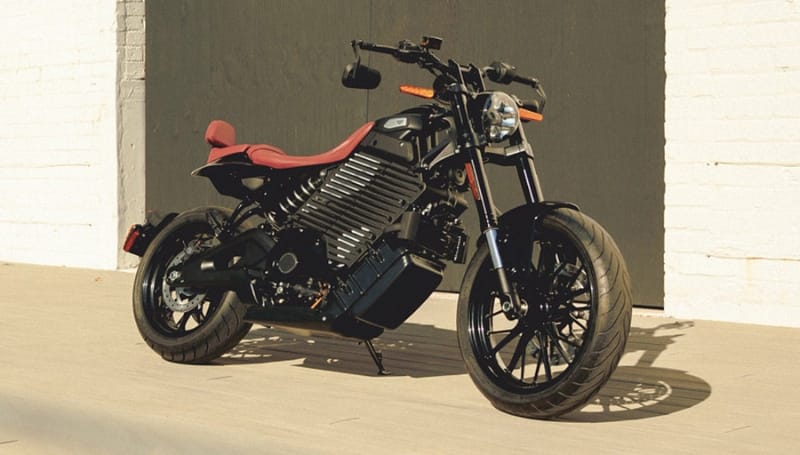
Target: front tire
pixel 182 324
pixel 552 360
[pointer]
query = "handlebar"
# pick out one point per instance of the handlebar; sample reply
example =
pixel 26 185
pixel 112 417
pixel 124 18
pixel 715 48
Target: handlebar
pixel 379 48
pixel 499 72
pixel 406 51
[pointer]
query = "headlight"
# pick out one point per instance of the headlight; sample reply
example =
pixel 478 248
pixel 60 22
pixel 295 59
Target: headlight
pixel 499 115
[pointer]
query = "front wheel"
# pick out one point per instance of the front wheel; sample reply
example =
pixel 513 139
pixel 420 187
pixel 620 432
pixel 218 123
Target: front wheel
pixel 573 281
pixel 185 325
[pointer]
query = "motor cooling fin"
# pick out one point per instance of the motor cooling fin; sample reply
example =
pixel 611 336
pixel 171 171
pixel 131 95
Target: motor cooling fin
pixel 357 201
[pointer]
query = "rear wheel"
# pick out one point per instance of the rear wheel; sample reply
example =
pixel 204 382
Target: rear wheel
pixel 185 325
pixel 554 358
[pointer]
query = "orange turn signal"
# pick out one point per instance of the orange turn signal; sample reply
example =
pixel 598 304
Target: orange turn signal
pixel 526 115
pixel 421 92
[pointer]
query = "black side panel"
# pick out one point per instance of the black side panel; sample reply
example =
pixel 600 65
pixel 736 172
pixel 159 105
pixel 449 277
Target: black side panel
pixel 229 178
pixel 388 286
pixel 400 124
pixel 399 292
pixel 386 146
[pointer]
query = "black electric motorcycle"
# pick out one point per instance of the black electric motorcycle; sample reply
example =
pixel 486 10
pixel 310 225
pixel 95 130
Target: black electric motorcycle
pixel 352 241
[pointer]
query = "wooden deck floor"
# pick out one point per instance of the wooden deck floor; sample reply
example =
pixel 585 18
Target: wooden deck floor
pixel 75 377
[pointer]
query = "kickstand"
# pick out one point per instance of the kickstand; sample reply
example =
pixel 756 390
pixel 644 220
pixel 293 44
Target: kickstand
pixel 377 357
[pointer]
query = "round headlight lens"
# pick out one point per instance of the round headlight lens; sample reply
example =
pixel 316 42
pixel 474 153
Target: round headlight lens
pixel 500 116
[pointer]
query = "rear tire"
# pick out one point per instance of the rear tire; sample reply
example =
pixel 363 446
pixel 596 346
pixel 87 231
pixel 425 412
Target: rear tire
pixel 181 324
pixel 577 289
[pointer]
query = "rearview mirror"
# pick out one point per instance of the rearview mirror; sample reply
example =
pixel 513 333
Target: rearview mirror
pixel 360 76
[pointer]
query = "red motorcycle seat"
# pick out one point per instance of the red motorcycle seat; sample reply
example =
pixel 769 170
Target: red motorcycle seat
pixel 222 136
pixel 220 152
pixel 267 155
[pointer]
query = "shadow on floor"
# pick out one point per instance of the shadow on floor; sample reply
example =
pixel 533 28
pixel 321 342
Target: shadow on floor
pixel 641 390
pixel 414 350
pixel 634 391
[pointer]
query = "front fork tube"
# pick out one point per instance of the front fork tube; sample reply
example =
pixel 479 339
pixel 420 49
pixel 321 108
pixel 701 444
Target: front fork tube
pixel 511 303
pixel 528 179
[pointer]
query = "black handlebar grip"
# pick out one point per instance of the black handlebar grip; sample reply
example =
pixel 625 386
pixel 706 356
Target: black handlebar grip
pixel 501 72
pixel 380 48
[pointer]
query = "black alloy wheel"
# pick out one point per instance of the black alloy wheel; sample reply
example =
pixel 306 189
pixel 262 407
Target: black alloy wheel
pixel 531 352
pixel 175 311
pixel 183 324
pixel 555 354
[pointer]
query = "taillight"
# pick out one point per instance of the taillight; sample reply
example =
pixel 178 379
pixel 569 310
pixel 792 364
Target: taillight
pixel 133 234
pixel 135 240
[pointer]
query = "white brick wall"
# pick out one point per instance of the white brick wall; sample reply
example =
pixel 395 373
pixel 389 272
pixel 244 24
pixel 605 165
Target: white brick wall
pixel 131 119
pixel 732 110
pixel 59 137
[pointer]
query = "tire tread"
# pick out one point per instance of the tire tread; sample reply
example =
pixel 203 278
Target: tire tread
pixel 216 336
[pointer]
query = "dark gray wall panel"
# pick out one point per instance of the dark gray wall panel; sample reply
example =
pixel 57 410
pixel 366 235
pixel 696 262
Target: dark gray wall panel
pixel 273 69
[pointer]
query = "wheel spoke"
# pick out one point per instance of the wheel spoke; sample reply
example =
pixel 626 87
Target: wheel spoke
pixel 514 332
pixel 560 349
pixel 566 339
pixel 576 321
pixel 538 363
pixel 545 355
pixel 495 332
pixel 572 331
pixel 182 322
pixel 519 351
pixel 197 314
pixel 575 293
pixel 490 316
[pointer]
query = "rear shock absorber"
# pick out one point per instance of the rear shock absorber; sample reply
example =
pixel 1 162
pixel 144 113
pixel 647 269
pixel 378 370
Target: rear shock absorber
pixel 297 198
pixel 300 195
